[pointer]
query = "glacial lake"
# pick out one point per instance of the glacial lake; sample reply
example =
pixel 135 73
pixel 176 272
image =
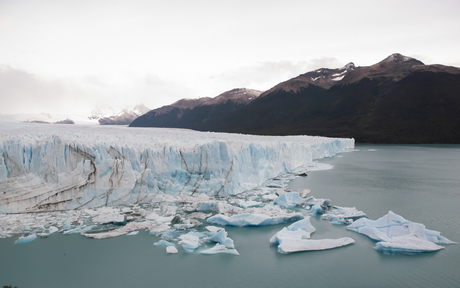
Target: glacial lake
pixel 419 182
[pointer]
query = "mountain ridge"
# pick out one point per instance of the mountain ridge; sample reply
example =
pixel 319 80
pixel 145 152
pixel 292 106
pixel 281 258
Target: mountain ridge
pixel 397 100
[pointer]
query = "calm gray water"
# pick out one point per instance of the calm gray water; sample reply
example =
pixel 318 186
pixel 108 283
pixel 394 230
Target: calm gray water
pixel 421 183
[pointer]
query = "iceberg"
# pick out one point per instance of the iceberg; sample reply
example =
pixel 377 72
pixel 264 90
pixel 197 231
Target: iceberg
pixel 189 242
pixel 171 250
pixel 298 245
pixel 131 226
pixel 344 215
pixel 289 199
pixel 295 238
pixel 164 243
pixel 248 219
pixel 219 248
pixel 55 168
pixel 299 230
pixel 26 239
pixel 396 235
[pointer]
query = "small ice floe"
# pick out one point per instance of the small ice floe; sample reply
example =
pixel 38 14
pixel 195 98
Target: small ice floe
pixel 171 250
pixel 289 199
pixel 344 215
pixel 80 229
pixel 164 243
pixel 131 226
pixel 199 215
pixel 295 238
pixel 317 206
pixel 247 204
pixel 397 235
pixel 289 245
pixel 270 197
pixel 224 244
pixel 51 230
pixel 243 220
pixel 26 238
pixel 189 242
pixel 299 230
pixel 109 215
pixel 132 233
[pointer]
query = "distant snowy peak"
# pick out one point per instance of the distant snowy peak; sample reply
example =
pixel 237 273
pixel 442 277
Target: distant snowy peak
pixel 238 95
pixel 323 77
pixel 108 115
pixel 394 67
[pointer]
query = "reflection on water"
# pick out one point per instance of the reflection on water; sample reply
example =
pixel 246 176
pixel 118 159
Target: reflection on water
pixel 421 183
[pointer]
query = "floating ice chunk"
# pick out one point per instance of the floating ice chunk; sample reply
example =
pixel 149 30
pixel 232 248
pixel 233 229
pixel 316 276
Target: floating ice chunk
pixel 289 199
pixel 243 220
pixel 154 230
pixel 270 196
pixel 221 237
pixel 199 215
pixel 338 220
pixel 171 250
pixel 247 204
pixel 132 233
pixel 79 230
pixel 398 235
pixel 26 239
pixel 219 248
pixel 152 216
pixel 52 229
pixel 303 192
pixel 67 225
pixel 131 226
pixel 316 209
pixel 167 234
pixel 213 228
pixel 218 207
pixel 347 212
pixel 299 230
pixel 297 245
pixel 109 216
pixel 164 243
pixel 189 242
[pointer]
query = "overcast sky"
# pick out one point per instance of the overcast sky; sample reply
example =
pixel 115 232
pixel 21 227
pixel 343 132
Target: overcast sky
pixel 59 56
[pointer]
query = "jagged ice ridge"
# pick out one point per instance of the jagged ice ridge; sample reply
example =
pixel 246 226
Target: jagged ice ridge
pixel 63 168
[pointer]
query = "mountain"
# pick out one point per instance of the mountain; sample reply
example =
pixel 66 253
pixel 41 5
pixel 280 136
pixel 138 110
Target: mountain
pixel 107 115
pixel 198 114
pixel 397 100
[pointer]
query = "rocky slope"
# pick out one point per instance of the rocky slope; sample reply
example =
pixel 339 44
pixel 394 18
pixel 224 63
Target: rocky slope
pixel 197 113
pixel 397 100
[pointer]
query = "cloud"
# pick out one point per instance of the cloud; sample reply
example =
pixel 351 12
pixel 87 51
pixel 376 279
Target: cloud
pixel 24 92
pixel 265 75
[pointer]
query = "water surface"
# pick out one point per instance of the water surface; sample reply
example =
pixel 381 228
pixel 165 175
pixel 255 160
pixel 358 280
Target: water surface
pixel 421 183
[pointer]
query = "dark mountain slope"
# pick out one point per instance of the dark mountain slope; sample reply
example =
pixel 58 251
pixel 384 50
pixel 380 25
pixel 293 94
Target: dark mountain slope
pixel 423 107
pixel 198 114
pixel 398 100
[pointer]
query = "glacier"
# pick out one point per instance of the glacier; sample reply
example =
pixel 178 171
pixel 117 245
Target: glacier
pixel 45 168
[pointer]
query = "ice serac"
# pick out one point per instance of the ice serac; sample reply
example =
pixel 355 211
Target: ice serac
pixel 46 168
pixel 397 235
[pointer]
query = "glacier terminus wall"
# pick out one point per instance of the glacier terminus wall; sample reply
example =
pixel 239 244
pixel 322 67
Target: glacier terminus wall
pixel 63 167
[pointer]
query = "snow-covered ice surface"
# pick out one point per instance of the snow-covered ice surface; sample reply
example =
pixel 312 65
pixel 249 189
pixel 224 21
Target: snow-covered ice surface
pixel 397 235
pixel 55 167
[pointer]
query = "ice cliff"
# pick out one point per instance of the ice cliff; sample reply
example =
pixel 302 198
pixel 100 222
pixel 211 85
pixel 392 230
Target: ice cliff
pixel 46 168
